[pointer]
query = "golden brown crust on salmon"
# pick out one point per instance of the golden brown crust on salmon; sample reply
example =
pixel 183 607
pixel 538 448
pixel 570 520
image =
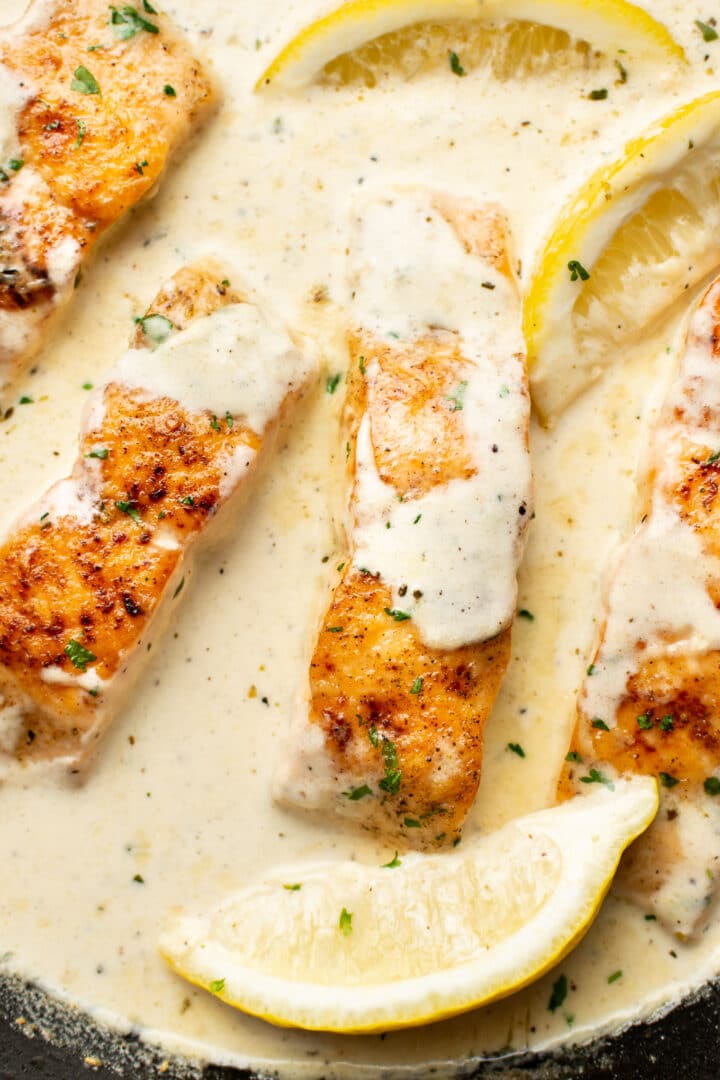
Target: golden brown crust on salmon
pixel 399 724
pixel 105 105
pixel 80 589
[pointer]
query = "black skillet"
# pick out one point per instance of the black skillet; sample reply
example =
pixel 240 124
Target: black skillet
pixel 42 1040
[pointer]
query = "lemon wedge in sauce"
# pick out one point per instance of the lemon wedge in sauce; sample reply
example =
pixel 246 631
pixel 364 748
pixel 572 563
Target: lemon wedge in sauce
pixel 349 947
pixel 638 234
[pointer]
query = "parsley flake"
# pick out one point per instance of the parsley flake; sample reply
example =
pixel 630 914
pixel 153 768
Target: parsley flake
pixel 393 774
pixel 84 82
pixel 596 777
pixel 100 452
pixel 78 655
pixel 525 614
pixel 455 65
pixel 293 888
pixel 667 723
pixel 712 785
pixel 668 780
pixel 559 993
pixel 572 755
pixel 458 396
pixel 598 95
pixel 169 90
pixel 345 922
pixel 577 270
pixel 614 977
pixel 600 724
pixel 127 21
pixel 126 507
pixel 332 382
pixel 393 864
pixel 417 685
pixel 156 328
pixel 516 748
pixel 644 722
pixel 708 32
pixel 216 986
pixel 357 793
pixel 398 616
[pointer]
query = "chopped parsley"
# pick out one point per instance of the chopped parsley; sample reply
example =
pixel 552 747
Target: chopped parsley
pixel 455 65
pixel 16 164
pixel 78 655
pixel 84 82
pixel 334 629
pixel 577 270
pixel 458 396
pixel 140 879
pixel 525 614
pixel 622 70
pixel 332 382
pixel 229 418
pixel 169 90
pixel 596 777
pixel 598 95
pixel 644 722
pixel 345 922
pixel 615 976
pixel 214 424
pixel 708 32
pixel 357 793
pixel 100 452
pixel 81 129
pixel 667 723
pixel 572 755
pixel 140 166
pixel 393 774
pixel 361 365
pixel 293 888
pixel 590 670
pixel 156 328
pixel 179 588
pixel 417 519
pixel 667 780
pixel 187 500
pixel 216 986
pixel 126 507
pixel 373 736
pixel 600 724
pixel 712 785
pixel 417 685
pixel 713 458
pixel 127 21
pixel 25 400
pixel 559 993
pixel 411 823
pixel 398 616
pixel 516 748
pixel 393 864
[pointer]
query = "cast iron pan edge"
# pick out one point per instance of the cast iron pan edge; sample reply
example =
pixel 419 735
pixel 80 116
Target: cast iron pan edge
pixel 42 1039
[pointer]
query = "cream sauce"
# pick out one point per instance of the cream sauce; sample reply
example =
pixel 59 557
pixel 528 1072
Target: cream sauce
pixel 181 791
pixel 455 551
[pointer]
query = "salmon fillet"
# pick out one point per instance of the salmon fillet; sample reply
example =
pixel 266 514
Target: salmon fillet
pixel 415 641
pixel 93 100
pixel 650 703
pixel 87 574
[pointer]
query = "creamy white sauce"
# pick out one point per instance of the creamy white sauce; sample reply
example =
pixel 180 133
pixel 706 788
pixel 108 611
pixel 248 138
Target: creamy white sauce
pixel 450 556
pixel 12 100
pixel 268 189
pixel 233 361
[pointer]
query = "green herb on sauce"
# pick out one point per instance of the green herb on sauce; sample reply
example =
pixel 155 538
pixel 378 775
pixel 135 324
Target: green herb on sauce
pixel 25 400
pixel 140 879
pixel 334 629
pixel 596 777
pixel 572 755
pixel 525 614
pixel 667 723
pixel 78 655
pixel 712 785
pixel 179 588
pixel 417 519
pixel 622 70
pixel 169 90
pixel 516 748
pixel 332 382
pixel 216 986
pixel 373 736
pixel 590 670
pixel 600 724
pixel 598 95
pixel 84 82
pixel 100 452
pixel 357 793
pixel 614 977
pixel 417 685
pixel 644 722
pixel 411 823
pixel 393 864
pixel 345 922
pixel 708 32
pixel 667 780
pixel 187 500
pixel 81 129
pixel 558 994
pixel 214 424
pixel 393 774
pixel 293 888
pixel 361 365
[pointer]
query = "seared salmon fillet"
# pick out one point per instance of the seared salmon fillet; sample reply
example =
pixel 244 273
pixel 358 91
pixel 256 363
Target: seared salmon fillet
pixel 415 641
pixel 93 100
pixel 167 441
pixel 651 700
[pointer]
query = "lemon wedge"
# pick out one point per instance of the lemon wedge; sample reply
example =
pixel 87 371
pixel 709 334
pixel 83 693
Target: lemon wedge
pixel 637 235
pixel 405 35
pixel 351 948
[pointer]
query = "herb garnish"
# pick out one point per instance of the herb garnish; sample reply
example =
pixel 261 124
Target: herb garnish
pixel 708 32
pixel 559 993
pixel 394 862
pixel 84 82
pixel 78 655
pixel 127 21
pixel 712 785
pixel 615 976
pixel 598 95
pixel 332 382
pixel 667 780
pixel 393 774
pixel 345 922
pixel 458 396
pixel 572 755
pixel 156 328
pixel 644 722
pixel 126 507
pixel 417 685
pixel 216 986
pixel 398 616
pixel 600 724
pixel 455 65
pixel 169 90
pixel 525 614
pixel 596 777
pixel 100 452
pixel 357 793
pixel 293 888
pixel 516 748
pixel 577 270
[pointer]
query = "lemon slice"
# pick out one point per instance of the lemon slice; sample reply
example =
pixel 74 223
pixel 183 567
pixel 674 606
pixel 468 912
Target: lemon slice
pixel 637 235
pixel 349 947
pixel 331 43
